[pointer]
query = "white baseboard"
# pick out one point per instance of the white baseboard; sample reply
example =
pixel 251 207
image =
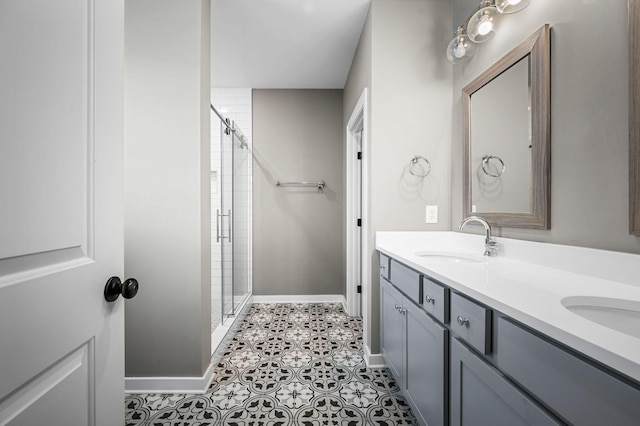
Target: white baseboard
pixel 193 385
pixel 373 360
pixel 303 298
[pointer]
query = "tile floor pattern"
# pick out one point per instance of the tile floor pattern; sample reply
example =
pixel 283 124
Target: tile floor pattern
pixel 288 364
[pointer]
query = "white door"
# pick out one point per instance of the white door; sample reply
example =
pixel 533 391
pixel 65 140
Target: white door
pixel 61 231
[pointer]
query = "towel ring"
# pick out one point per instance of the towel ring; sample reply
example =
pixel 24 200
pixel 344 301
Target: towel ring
pixel 417 169
pixel 487 167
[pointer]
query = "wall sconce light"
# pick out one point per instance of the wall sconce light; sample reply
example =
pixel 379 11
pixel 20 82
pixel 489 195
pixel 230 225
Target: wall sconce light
pixel 460 48
pixel 481 27
pixel 482 24
pixel 511 6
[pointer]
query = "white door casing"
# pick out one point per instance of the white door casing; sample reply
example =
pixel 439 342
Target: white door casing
pixel 358 212
pixel 357 202
pixel 61 229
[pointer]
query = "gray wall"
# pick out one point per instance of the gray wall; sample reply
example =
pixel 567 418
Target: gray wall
pixel 589 118
pixel 400 58
pixel 298 233
pixel 167 218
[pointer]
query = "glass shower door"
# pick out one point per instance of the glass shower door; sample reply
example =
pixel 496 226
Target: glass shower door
pixel 241 207
pixel 235 219
pixel 231 162
pixel 231 203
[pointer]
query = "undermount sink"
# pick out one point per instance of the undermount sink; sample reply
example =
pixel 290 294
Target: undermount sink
pixel 618 314
pixel 451 257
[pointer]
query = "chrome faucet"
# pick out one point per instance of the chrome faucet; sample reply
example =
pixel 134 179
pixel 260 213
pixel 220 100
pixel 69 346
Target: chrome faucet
pixel 490 246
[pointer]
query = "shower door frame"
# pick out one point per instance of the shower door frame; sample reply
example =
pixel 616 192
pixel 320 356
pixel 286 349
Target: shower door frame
pixel 228 131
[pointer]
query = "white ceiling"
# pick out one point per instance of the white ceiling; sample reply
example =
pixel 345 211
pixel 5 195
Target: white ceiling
pixel 281 44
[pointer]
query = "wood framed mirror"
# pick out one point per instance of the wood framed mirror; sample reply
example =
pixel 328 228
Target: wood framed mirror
pixel 507 138
pixel 634 117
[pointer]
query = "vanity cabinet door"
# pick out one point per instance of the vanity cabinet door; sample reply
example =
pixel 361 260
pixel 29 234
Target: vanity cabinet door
pixel 575 389
pixel 393 331
pixel 427 359
pixel 480 395
pixel 385 263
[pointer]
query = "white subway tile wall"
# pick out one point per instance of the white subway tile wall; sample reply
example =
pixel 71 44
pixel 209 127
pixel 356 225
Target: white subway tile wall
pixel 236 105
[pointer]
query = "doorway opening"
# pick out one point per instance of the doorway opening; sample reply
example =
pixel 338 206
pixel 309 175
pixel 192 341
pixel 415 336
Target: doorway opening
pixel 357 213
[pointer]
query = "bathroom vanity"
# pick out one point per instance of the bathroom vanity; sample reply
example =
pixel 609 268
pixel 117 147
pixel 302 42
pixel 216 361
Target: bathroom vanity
pixel 530 337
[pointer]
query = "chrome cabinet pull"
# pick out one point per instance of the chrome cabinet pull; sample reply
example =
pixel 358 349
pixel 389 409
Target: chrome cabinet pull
pixel 400 309
pixel 463 320
pixel 430 299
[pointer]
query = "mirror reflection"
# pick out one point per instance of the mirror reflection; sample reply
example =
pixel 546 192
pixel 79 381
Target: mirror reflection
pixel 501 142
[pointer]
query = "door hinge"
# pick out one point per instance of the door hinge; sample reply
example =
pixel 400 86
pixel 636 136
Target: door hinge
pixel 359 222
pixel 359 289
pixel 360 156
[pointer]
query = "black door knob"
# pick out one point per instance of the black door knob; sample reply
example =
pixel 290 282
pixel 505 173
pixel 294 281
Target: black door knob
pixel 114 288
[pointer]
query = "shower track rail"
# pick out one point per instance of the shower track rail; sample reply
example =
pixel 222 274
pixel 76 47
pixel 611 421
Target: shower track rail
pixel 231 128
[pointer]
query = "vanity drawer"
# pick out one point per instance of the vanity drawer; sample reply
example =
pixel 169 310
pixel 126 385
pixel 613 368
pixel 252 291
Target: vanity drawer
pixel 472 322
pixel 576 389
pixel 406 280
pixel 435 299
pixel 384 266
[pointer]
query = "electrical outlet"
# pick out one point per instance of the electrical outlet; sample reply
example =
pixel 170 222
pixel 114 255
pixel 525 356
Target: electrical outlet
pixel 432 214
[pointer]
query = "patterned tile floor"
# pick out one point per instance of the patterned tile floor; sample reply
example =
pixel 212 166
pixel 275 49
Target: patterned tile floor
pixel 288 364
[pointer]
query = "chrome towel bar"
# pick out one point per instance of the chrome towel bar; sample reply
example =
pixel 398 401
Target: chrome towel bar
pixel 320 184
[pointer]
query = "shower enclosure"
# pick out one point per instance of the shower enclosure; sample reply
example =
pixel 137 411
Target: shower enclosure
pixel 231 219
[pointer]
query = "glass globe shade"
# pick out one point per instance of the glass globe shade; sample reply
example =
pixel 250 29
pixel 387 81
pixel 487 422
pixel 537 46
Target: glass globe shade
pixel 460 49
pixel 482 25
pixel 511 6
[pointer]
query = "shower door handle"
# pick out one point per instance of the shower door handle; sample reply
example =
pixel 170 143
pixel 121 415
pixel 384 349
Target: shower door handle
pixel 217 225
pixel 219 235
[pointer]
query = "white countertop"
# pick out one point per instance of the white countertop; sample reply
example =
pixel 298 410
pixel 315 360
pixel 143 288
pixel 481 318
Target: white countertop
pixel 528 280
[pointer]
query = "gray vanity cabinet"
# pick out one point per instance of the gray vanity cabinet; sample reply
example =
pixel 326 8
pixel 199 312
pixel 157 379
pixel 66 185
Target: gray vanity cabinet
pixel 427 357
pixel 462 363
pixel 480 394
pixel 393 331
pixel 415 349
